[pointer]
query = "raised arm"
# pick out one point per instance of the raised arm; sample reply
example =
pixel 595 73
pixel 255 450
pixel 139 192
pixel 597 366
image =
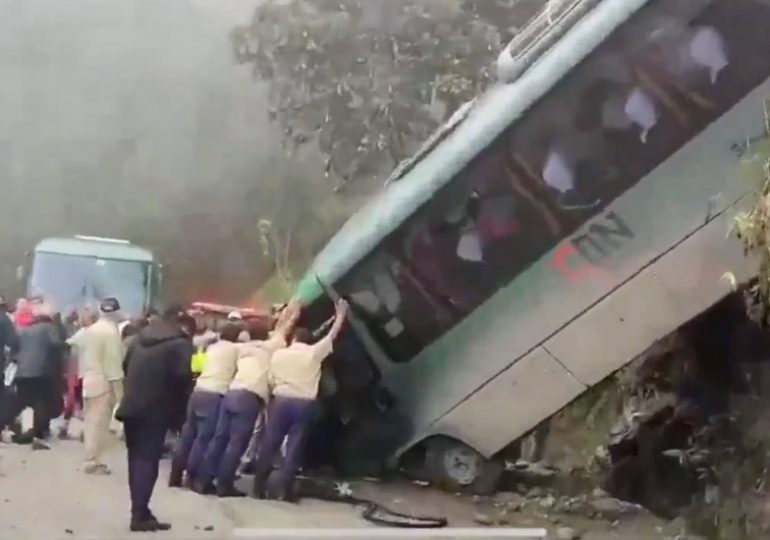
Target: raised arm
pixel 324 347
pixel 341 313
pixel 287 319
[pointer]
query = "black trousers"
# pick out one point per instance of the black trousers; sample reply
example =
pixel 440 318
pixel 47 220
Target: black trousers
pixel 38 393
pixel 144 442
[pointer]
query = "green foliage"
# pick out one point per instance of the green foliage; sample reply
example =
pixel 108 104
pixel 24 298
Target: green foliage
pixel 752 227
pixel 368 80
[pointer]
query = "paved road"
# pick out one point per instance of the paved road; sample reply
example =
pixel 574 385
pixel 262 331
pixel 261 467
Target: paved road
pixel 46 495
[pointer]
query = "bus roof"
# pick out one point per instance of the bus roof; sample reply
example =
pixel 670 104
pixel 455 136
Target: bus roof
pixel 479 126
pixel 88 247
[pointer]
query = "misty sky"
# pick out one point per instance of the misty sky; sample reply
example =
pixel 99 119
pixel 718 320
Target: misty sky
pixel 108 105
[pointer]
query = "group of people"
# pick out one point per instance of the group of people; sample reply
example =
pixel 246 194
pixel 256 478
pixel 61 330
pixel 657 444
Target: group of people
pixel 273 376
pixel 249 388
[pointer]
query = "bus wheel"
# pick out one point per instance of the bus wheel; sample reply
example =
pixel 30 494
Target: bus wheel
pixel 455 466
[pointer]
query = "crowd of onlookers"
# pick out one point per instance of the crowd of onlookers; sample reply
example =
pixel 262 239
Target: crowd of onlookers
pixel 232 397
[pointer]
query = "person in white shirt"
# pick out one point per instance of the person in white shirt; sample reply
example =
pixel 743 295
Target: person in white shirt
pixel 295 373
pixel 101 368
pixel 203 408
pixel 242 405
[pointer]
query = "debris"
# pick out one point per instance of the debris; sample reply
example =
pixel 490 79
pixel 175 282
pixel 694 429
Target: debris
pixel 343 489
pixel 547 502
pixel 68 531
pixel 509 500
pixel 421 483
pixel 483 519
pixel 567 533
pixel 612 509
pixel 208 528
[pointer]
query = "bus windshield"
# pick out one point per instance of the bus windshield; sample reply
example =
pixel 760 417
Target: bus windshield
pixel 71 281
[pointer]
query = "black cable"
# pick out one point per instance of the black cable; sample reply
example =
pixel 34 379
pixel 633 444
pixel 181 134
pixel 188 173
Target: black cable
pixel 373 512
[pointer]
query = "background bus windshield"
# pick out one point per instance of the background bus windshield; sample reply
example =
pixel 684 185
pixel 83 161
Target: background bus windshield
pixel 71 281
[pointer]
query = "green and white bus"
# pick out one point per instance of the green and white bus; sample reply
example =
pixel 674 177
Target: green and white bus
pixel 71 273
pixel 562 223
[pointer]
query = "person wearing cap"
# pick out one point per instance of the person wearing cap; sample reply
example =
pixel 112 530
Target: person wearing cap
pixel 157 366
pixel 39 372
pixel 74 395
pixel 101 359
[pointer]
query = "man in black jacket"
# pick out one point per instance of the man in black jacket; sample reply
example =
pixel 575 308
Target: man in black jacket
pixel 8 340
pixel 157 368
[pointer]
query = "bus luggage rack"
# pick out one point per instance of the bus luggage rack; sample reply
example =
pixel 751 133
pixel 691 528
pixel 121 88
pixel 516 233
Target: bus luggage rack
pixel 539 34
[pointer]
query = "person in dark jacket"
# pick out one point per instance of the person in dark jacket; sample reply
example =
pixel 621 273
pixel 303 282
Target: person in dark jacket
pixel 157 367
pixel 40 370
pixel 8 340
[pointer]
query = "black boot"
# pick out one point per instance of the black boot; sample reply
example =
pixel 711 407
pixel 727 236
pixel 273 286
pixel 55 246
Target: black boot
pixel 259 486
pixel 203 487
pixel 227 491
pixel 175 478
pixel 249 468
pixel 149 524
pixel 285 492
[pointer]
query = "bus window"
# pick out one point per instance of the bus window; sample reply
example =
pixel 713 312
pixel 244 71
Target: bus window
pixel 651 87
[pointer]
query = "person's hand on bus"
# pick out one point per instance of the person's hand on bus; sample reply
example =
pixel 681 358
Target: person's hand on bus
pixel 341 309
pixel 340 313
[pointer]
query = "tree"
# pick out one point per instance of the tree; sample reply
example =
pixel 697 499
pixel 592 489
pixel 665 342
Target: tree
pixel 368 80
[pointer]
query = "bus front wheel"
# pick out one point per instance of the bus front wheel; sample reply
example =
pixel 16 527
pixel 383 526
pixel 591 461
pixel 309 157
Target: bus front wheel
pixel 456 466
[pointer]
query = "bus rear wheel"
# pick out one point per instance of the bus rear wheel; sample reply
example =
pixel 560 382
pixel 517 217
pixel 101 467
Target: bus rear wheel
pixel 455 466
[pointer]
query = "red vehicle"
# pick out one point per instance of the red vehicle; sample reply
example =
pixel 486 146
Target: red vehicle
pixel 215 315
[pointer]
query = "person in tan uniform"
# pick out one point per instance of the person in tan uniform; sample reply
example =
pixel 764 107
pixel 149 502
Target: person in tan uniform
pixel 242 405
pixel 101 367
pixel 295 373
pixel 203 409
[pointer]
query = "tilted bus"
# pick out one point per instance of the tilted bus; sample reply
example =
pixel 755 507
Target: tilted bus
pixel 569 219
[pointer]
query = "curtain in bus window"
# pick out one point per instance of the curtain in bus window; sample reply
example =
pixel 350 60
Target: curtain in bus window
pixel 640 110
pixel 561 172
pixel 469 245
pixel 557 172
pixel 387 291
pixel 709 50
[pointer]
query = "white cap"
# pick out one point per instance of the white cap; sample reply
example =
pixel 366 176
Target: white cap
pixel 234 316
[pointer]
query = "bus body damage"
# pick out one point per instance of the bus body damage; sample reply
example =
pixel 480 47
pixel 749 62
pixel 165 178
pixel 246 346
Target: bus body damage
pixel 516 266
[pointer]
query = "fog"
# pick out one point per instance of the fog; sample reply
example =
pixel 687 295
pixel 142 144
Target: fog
pixel 112 111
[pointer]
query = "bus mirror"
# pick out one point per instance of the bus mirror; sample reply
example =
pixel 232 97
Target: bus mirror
pixel 20 273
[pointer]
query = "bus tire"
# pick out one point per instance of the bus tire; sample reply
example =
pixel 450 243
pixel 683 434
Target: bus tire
pixel 455 466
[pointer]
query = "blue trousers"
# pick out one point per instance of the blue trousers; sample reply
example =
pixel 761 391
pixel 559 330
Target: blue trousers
pixel 285 417
pixel 144 442
pixel 197 432
pixel 237 416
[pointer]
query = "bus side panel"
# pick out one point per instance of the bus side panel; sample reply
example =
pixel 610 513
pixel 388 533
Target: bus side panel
pixel 673 290
pixel 700 180
pixel 512 403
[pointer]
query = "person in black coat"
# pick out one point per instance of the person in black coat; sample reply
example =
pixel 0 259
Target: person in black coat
pixel 9 340
pixel 157 368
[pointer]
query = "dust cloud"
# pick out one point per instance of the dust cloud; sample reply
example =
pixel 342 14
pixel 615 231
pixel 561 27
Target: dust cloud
pixel 129 118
